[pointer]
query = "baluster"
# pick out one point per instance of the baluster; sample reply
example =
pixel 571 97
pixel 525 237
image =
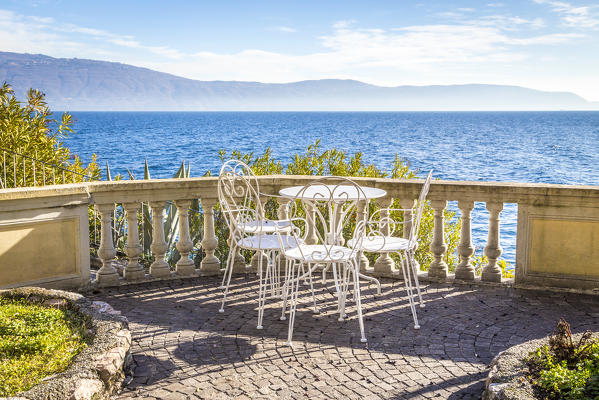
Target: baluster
pixel 33 167
pixel 311 237
pixel 185 265
pixel 107 275
pixel 384 264
pixel 159 268
pixel 210 265
pixel 283 214
pixel 464 269
pixel 407 205
pixel 133 271
pixel 259 255
pixel 491 272
pixel 438 267
pixel 362 215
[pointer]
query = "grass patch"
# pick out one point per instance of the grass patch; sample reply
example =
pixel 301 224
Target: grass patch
pixel 566 369
pixel 35 342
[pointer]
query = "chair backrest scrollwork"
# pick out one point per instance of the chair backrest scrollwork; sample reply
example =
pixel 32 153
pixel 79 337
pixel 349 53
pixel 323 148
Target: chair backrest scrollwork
pixel 238 195
pixel 330 206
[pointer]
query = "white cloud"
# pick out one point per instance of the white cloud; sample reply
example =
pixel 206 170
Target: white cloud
pixel 464 51
pixel 285 29
pixel 574 16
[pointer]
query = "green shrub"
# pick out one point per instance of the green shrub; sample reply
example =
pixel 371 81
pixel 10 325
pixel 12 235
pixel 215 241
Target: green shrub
pixel 35 342
pixel 29 129
pixel 566 369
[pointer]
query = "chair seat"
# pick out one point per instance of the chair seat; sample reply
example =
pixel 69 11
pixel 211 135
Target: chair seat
pixel 383 244
pixel 267 242
pixel 317 253
pixel 265 226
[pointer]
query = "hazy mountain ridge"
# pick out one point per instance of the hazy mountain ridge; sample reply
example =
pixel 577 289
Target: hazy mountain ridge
pixel 80 84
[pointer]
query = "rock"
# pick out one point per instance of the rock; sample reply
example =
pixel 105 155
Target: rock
pixel 55 303
pixel 87 389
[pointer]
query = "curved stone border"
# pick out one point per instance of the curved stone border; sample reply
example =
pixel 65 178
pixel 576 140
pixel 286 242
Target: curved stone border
pixel 96 372
pixel 507 378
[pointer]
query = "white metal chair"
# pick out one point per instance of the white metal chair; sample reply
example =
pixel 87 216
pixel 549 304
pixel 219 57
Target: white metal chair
pixel 239 198
pixel 380 238
pixel 335 202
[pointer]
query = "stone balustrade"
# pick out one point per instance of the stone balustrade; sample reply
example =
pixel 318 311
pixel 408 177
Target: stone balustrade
pixel 44 230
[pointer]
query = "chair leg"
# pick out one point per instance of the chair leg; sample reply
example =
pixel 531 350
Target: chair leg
pixel 324 273
pixel 292 308
pixel 372 279
pixel 342 291
pixel 416 282
pixel 288 282
pixel 315 311
pixel 263 276
pixel 356 274
pixel 228 266
pixel 407 281
pixel 228 277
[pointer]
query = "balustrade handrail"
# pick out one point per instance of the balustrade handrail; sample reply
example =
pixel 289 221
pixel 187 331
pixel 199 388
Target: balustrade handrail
pixel 186 188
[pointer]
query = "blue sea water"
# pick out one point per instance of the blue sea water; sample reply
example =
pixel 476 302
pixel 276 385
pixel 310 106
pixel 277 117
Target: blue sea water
pixel 543 147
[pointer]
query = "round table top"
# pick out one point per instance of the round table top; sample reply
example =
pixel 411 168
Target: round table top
pixel 337 192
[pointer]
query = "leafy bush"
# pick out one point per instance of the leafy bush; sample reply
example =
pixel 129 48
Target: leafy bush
pixel 566 369
pixel 29 129
pixel 35 342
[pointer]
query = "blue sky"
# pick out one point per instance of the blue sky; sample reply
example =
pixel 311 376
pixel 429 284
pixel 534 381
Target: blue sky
pixel 542 44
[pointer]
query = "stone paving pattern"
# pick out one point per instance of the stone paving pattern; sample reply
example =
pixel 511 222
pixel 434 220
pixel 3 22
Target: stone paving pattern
pixel 183 348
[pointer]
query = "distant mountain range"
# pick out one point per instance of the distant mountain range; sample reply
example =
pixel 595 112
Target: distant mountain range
pixel 79 84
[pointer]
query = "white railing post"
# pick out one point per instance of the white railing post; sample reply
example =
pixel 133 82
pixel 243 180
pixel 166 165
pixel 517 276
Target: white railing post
pixel 133 271
pixel 384 263
pixel 185 265
pixel 210 264
pixel 464 269
pixel 107 275
pixel 438 268
pixel 159 268
pixel 491 272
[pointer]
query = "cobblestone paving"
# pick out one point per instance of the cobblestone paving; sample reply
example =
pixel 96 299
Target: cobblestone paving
pixel 183 348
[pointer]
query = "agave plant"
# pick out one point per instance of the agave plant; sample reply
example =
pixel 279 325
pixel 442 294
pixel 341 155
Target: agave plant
pixel 171 221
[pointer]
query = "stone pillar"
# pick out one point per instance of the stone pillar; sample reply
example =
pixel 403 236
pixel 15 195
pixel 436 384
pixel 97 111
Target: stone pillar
pixel 159 268
pixel 257 255
pixel 239 260
pixel 107 275
pixel 362 215
pixel 438 268
pixel 210 264
pixel 464 269
pixel 384 264
pixel 407 205
pixel 283 214
pixel 185 265
pixel 311 237
pixel 133 271
pixel 491 272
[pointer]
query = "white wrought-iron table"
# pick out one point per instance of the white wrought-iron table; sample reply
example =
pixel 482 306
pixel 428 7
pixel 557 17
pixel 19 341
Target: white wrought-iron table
pixel 339 193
